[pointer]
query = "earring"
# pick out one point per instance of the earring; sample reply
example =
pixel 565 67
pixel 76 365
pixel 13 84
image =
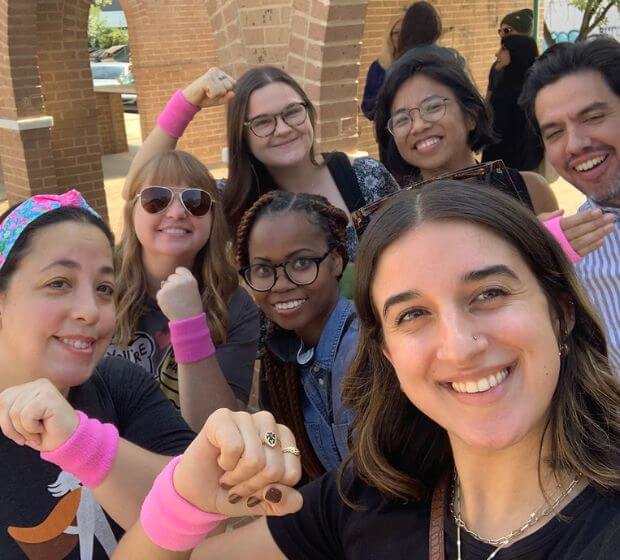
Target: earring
pixel 475 337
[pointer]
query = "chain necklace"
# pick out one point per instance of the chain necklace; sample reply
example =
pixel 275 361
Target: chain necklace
pixel 534 517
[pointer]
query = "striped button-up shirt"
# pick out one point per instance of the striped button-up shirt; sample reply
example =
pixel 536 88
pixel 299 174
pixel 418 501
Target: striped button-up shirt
pixel 599 273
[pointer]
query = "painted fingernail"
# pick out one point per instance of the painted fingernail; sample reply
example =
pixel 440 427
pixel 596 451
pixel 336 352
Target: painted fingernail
pixel 225 486
pixel 253 501
pixel 273 495
pixel 234 498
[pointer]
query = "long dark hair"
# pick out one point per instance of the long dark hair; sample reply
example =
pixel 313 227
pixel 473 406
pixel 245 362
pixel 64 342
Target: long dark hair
pixel 403 452
pixel 443 66
pixel 421 26
pixel 248 178
pixel 523 52
pixel 283 380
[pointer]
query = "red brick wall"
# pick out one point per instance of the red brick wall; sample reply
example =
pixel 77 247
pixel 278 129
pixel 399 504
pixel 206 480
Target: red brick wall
pixel 111 123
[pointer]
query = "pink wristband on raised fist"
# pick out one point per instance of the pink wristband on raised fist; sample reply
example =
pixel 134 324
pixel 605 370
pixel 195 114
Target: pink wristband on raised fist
pixel 554 227
pixel 89 453
pixel 169 520
pixel 177 114
pixel 191 339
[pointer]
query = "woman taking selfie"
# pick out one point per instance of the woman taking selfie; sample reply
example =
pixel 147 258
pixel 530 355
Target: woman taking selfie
pixel 486 415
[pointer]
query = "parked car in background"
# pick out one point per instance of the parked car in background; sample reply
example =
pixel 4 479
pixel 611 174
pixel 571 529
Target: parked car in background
pixel 115 74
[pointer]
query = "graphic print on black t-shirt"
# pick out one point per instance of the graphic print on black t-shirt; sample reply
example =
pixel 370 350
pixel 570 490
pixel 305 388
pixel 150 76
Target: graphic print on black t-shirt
pixel 76 520
pixel 140 351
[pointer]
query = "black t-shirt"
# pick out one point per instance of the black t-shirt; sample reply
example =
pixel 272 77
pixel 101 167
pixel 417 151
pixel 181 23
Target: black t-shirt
pixel 46 513
pixel 326 528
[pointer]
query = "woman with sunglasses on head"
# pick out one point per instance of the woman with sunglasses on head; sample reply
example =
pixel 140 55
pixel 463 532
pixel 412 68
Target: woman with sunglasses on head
pixel 270 130
pixel 312 329
pixel 431 121
pixel 486 414
pixel 175 283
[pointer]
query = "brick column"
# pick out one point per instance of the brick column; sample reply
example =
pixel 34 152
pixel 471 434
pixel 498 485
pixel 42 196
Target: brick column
pixel 324 51
pixel 111 123
pixel 171 44
pixel 25 148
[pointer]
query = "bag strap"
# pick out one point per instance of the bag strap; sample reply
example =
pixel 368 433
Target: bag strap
pixel 436 545
pixel 344 176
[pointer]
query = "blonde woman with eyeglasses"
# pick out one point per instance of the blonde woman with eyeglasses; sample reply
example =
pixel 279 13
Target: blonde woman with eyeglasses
pixel 181 313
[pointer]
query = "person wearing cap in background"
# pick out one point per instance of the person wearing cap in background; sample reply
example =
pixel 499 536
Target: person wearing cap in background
pixel 520 22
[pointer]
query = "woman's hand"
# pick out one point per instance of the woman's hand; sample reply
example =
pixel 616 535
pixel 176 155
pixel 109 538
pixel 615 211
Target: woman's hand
pixel 213 88
pixel 229 470
pixel 178 297
pixel 37 415
pixel 585 231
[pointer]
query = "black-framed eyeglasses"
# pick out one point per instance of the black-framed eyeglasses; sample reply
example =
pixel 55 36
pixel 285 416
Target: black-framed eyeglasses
pixel 504 30
pixel 155 199
pixel 293 115
pixel 301 271
pixel 431 110
pixel 492 173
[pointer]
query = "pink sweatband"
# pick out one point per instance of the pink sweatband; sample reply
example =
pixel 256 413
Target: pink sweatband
pixel 89 453
pixel 169 520
pixel 177 114
pixel 191 339
pixel 555 229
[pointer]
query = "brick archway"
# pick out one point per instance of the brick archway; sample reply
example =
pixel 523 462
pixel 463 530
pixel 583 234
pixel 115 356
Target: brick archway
pixel 48 132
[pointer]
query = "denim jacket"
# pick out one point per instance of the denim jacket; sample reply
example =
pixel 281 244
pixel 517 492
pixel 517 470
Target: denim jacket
pixel 327 421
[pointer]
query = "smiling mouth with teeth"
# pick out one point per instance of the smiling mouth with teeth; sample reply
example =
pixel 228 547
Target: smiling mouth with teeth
pixel 293 304
pixel 590 164
pixel 77 344
pixel 481 385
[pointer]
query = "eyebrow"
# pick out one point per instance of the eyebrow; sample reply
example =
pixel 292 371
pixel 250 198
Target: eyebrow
pixel 73 265
pixel 288 256
pixel 400 109
pixel 472 276
pixel 273 114
pixel 597 105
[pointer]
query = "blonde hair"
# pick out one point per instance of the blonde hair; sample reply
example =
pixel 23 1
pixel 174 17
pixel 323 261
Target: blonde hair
pixel 217 278
pixel 389 50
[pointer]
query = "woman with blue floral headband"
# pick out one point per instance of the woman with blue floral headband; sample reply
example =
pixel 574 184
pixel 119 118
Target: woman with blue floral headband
pixel 81 439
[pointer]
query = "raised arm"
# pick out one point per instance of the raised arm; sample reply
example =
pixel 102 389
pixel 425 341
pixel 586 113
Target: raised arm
pixel 202 385
pixel 215 87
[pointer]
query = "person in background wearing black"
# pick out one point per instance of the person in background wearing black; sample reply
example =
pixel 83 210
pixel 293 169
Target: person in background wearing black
pixel 377 70
pixel 515 23
pixel 519 146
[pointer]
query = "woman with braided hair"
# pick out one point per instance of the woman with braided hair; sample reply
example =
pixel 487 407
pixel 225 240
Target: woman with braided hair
pixel 312 328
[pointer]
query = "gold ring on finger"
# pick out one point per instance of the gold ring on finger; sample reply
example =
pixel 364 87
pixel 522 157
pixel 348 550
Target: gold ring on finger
pixel 292 450
pixel 270 439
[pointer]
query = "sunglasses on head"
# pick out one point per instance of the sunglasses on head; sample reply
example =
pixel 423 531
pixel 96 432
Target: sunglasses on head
pixel 156 199
pixel 491 173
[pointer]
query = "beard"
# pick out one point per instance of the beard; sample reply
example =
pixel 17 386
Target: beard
pixel 611 197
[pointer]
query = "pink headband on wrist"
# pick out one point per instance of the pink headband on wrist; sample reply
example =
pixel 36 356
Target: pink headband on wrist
pixel 31 209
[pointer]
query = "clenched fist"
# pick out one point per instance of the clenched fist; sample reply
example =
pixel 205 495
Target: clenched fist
pixel 213 88
pixel 178 297
pixel 36 414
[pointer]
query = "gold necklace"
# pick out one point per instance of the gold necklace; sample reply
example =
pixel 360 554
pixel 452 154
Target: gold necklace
pixel 534 517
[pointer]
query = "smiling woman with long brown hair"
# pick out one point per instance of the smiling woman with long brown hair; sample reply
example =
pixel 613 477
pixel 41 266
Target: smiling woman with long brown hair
pixel 486 415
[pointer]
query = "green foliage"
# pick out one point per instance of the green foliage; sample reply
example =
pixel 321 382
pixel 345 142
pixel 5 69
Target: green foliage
pixel 594 14
pixel 100 34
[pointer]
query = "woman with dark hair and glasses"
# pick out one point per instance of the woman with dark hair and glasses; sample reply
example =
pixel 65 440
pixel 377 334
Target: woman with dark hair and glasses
pixel 292 250
pixel 175 281
pixel 431 121
pixel 270 130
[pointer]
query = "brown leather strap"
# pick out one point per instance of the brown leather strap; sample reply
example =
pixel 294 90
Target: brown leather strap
pixel 436 547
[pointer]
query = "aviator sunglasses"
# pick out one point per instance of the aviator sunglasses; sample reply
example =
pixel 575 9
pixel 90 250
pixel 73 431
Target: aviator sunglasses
pixel 156 199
